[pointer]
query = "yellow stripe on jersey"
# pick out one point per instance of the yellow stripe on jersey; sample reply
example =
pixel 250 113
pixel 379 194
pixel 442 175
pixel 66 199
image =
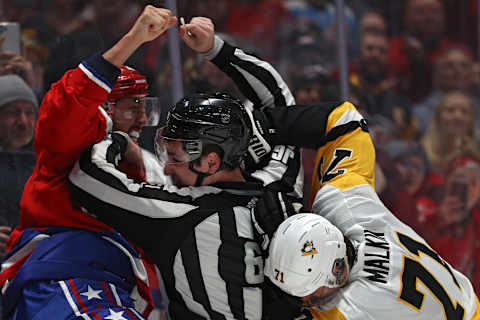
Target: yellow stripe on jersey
pixel 341 115
pixel 476 316
pixel 332 314
pixel 346 160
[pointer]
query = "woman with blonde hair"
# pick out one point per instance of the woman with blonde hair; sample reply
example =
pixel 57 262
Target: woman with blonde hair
pixel 452 131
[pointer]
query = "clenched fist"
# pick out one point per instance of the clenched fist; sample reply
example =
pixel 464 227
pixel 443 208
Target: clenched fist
pixel 152 23
pixel 198 34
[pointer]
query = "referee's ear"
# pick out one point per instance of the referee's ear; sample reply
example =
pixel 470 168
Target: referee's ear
pixel 213 162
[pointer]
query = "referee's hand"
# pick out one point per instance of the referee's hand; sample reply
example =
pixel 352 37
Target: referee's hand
pixel 198 34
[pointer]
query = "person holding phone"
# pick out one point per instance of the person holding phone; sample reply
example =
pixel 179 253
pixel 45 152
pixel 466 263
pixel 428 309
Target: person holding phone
pixel 10 36
pixel 461 192
pixel 456 222
pixel 11 59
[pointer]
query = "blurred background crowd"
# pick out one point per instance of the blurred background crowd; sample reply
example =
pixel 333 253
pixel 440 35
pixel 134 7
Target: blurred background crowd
pixel 412 71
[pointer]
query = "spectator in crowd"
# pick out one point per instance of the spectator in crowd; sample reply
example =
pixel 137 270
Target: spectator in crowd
pixel 383 131
pixel 19 11
pixel 198 74
pixel 61 17
pixel 322 13
pixel 29 65
pixel 18 113
pixel 372 90
pixel 412 54
pixel 453 230
pixel 37 54
pixel 217 10
pixel 262 23
pixel 390 10
pixel 97 36
pixel 14 63
pixel 461 16
pixel 53 19
pixel 211 79
pixel 19 107
pixel 309 85
pixel 453 70
pixel 452 131
pixel 305 49
pixel 411 191
pixel 372 21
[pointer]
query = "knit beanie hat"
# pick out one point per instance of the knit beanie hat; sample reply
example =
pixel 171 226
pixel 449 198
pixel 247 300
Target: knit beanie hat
pixel 400 148
pixel 13 88
pixel 397 149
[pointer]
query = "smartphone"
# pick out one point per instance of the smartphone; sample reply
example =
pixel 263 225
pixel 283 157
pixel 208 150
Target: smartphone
pixel 11 32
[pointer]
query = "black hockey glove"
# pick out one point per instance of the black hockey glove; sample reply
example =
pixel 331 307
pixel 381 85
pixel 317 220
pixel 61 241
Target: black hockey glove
pixel 279 305
pixel 270 211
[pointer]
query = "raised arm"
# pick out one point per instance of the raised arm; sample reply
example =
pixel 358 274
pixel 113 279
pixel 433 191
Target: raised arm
pixel 149 25
pixel 70 118
pixel 278 167
pixel 255 78
pixel 330 128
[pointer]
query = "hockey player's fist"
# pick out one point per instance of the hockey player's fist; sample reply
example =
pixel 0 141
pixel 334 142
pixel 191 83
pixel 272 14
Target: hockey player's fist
pixel 133 157
pixel 152 23
pixel 198 34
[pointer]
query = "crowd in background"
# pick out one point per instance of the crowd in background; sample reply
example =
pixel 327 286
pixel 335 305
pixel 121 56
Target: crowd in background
pixel 413 73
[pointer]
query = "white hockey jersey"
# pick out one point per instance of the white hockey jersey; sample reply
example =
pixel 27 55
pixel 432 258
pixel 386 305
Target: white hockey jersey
pixel 396 274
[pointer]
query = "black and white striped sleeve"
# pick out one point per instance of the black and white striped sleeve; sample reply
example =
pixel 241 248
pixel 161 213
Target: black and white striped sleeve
pixel 264 88
pixel 101 189
pixel 257 79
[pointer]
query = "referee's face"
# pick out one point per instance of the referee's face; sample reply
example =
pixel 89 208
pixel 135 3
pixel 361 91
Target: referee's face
pixel 177 166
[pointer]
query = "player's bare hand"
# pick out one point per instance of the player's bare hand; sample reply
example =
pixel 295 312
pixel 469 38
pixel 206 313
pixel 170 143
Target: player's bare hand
pixel 13 63
pixel 152 23
pixel 198 34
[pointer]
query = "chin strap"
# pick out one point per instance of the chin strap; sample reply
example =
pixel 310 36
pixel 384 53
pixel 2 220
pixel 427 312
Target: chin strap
pixel 200 175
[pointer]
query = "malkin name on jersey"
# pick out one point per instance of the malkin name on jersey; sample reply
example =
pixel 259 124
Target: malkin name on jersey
pixel 377 256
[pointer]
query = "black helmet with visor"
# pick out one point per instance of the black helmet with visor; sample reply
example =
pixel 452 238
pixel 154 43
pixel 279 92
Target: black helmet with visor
pixel 201 120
